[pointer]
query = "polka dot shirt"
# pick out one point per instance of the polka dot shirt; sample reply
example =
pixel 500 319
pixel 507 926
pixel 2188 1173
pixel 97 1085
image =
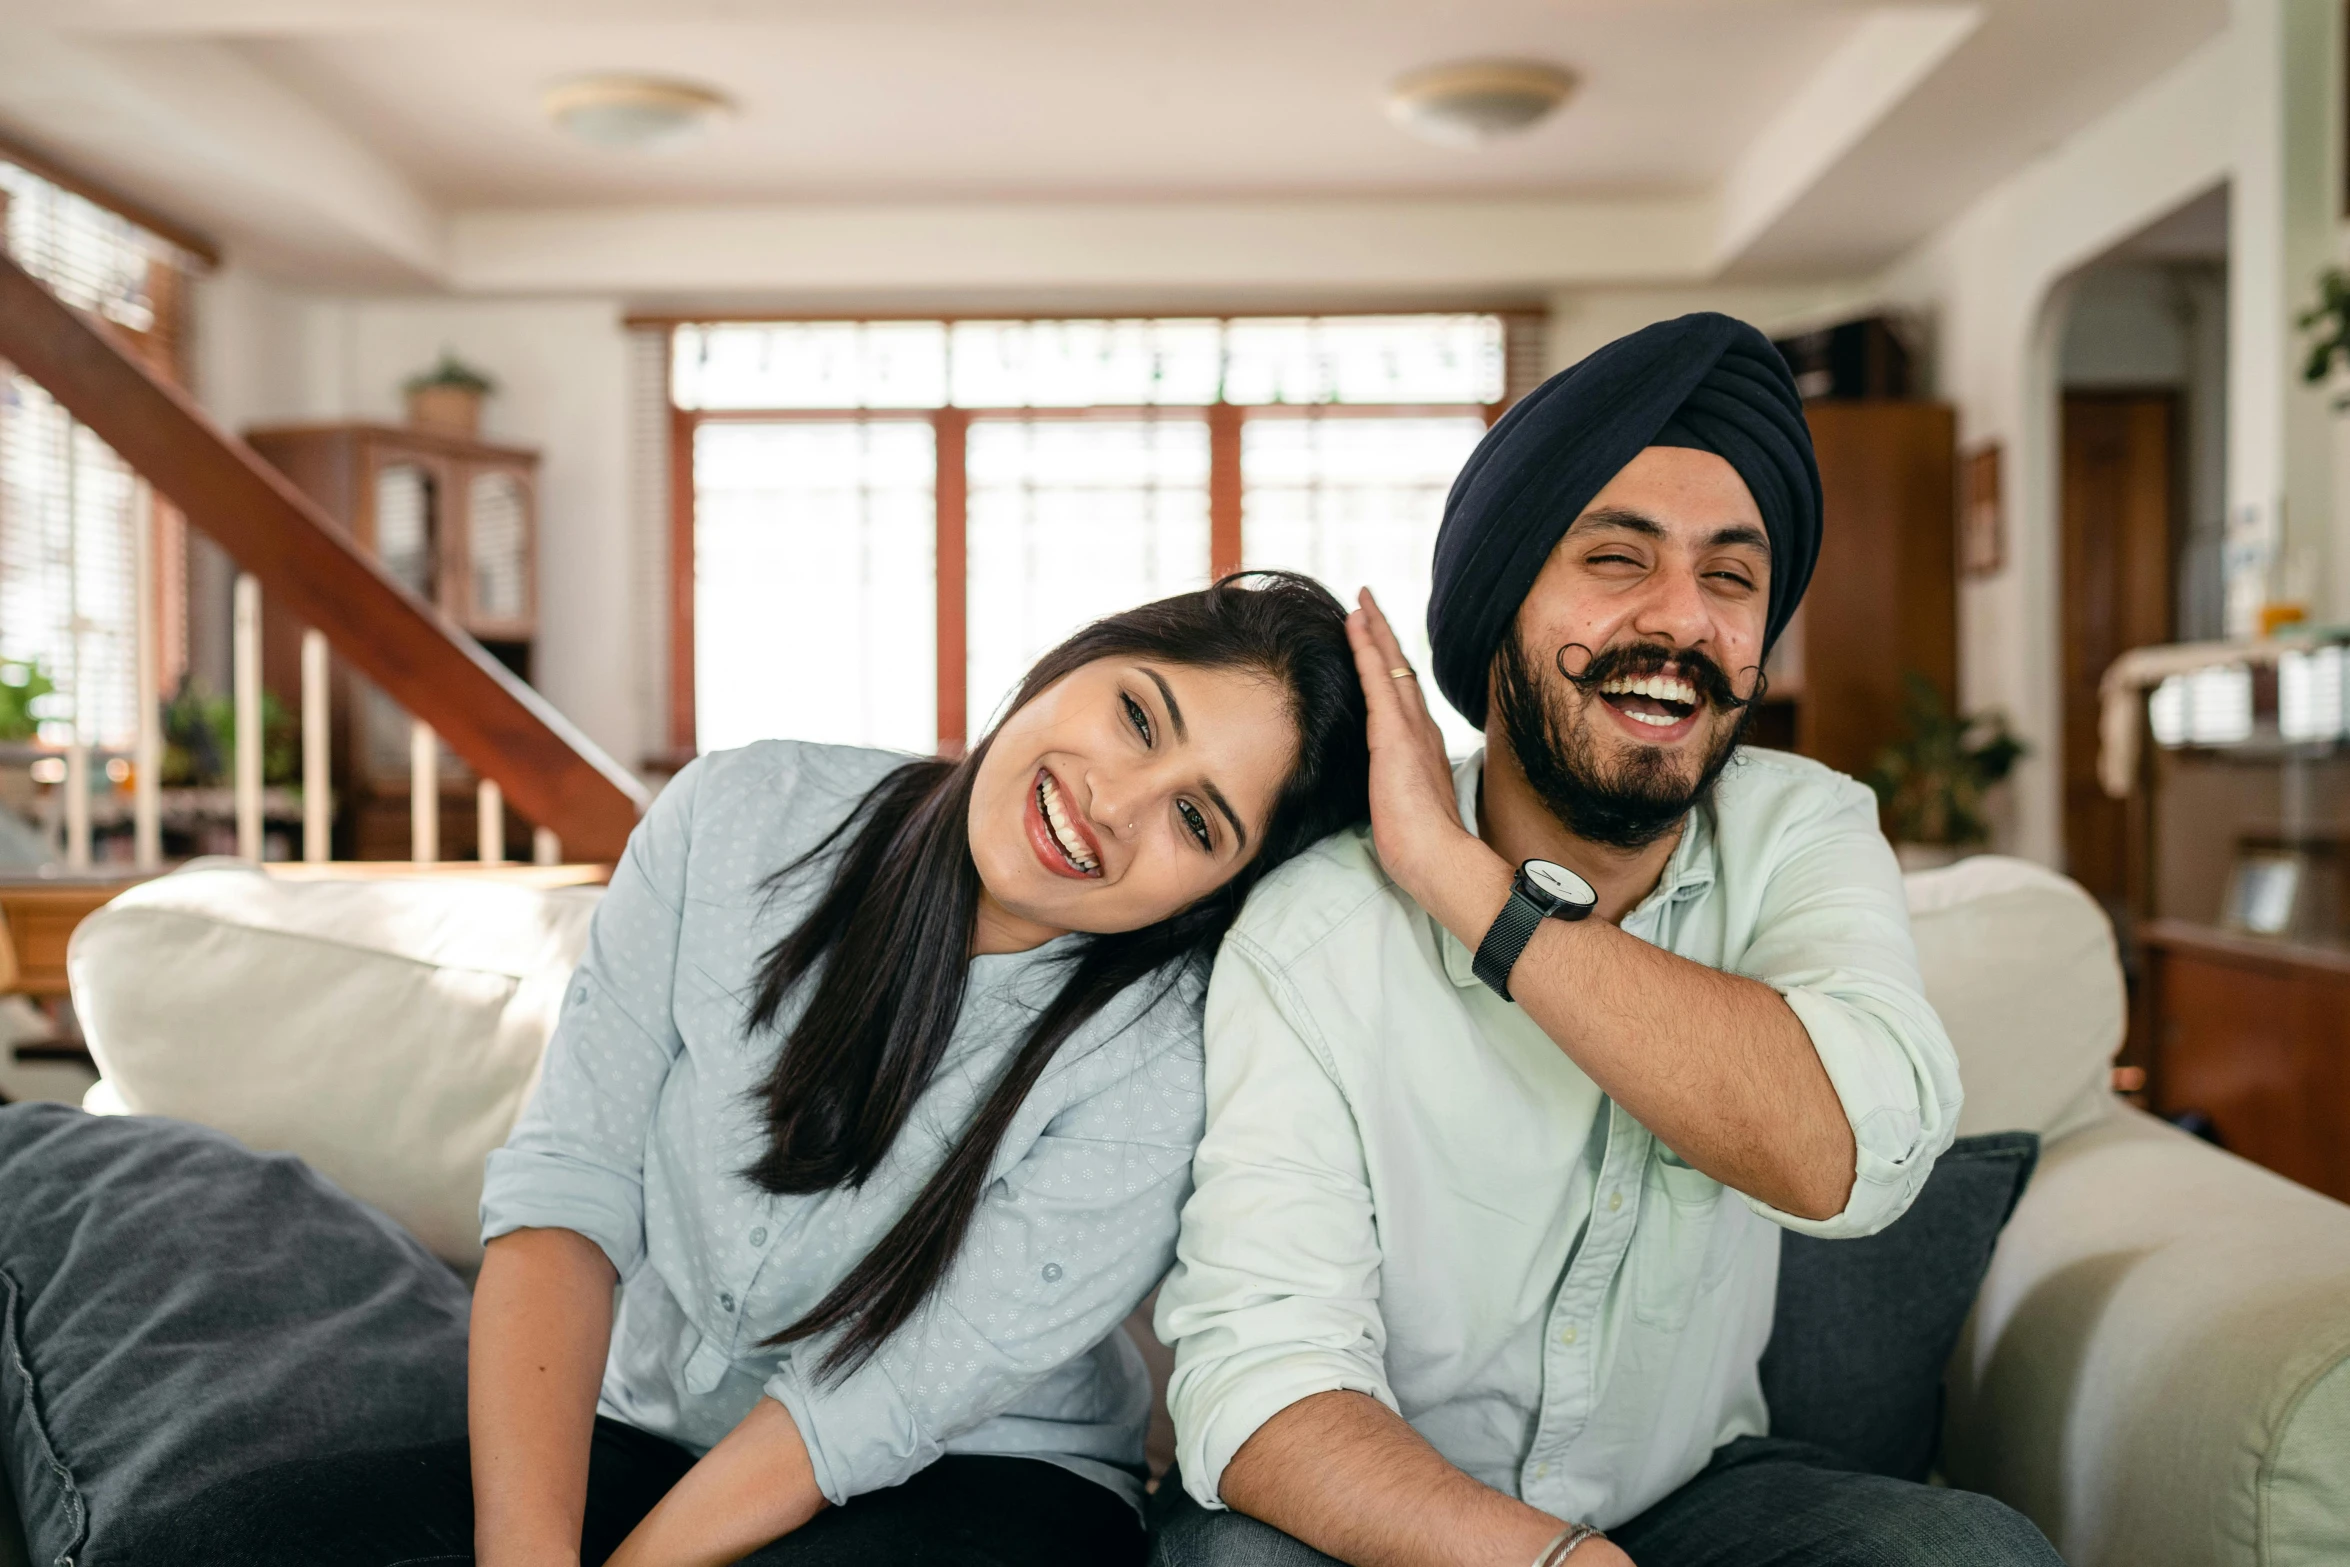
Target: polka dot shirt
pixel 647 1113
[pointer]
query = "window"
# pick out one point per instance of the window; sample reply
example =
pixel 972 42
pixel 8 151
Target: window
pixel 68 504
pixel 815 583
pixel 1070 520
pixel 1355 502
pixel 887 522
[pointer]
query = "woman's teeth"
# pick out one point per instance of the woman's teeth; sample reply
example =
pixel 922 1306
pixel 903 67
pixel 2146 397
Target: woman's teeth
pixel 1056 816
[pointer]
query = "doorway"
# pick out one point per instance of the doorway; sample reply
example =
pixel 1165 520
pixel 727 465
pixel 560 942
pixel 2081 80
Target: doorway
pixel 2121 483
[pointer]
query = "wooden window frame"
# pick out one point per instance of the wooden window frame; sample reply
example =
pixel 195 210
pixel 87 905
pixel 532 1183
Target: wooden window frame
pixel 951 428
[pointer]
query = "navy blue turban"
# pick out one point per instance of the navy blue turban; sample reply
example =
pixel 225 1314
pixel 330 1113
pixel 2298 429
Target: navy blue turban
pixel 1705 381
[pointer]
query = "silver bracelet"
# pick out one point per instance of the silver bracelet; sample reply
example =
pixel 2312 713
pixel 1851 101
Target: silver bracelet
pixel 1559 1549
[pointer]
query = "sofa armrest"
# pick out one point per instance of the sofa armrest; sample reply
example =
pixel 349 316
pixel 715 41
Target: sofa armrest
pixel 2157 1370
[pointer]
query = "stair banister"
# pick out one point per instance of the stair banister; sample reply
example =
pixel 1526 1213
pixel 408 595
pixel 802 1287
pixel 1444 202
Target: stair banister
pixel 502 728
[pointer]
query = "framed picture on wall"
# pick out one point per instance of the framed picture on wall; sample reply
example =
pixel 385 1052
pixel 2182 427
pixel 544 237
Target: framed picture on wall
pixel 1982 520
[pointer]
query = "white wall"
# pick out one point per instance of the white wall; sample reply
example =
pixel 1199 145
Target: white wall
pixel 2250 110
pixel 1588 318
pixel 270 355
pixel 1994 285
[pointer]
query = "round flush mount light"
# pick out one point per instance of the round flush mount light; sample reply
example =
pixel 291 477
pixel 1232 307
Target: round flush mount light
pixel 637 113
pixel 1476 101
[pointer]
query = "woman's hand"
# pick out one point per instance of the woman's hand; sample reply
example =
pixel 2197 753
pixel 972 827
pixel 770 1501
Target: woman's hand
pixel 755 1486
pixel 1415 815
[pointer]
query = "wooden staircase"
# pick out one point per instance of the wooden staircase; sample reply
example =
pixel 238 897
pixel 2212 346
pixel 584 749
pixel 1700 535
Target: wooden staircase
pixel 503 729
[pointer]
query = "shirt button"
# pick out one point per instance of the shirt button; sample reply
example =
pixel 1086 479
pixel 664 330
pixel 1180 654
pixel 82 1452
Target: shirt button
pixel 1541 1470
pixel 1052 1273
pixel 759 1237
pixel 725 1302
pixel 1567 1334
pixel 1615 1200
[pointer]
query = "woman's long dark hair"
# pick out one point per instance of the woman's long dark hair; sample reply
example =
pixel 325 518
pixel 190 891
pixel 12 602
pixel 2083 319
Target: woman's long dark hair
pixel 895 922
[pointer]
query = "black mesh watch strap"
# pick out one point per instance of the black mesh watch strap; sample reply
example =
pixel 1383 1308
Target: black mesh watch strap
pixel 1498 953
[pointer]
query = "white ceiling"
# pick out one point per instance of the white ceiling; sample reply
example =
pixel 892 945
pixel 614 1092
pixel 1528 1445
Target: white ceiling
pixel 1214 142
pixel 1209 98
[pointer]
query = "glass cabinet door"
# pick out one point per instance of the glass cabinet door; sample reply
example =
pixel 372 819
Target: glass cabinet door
pixel 497 548
pixel 407 525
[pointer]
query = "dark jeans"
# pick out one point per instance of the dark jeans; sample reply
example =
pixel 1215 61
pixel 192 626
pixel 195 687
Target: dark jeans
pixel 1762 1502
pixel 414 1508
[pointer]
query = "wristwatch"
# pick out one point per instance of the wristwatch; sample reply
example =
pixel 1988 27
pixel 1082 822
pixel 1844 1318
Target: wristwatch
pixel 1541 891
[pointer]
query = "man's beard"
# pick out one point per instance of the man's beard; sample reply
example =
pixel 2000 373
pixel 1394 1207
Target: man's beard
pixel 1645 796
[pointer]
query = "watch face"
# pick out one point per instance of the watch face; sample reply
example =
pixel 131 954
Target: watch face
pixel 1559 883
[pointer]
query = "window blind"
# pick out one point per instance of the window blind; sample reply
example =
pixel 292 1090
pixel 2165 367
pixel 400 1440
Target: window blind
pixel 68 504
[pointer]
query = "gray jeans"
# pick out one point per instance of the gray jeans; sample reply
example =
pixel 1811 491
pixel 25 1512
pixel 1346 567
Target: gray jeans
pixel 1762 1502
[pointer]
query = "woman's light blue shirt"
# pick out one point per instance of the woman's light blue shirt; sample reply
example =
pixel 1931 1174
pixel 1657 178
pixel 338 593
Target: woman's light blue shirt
pixel 648 1112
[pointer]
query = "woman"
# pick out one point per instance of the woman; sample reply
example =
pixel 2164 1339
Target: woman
pixel 875 1096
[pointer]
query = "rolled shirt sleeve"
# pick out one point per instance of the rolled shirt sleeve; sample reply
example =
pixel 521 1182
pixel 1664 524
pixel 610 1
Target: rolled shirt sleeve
pixel 1062 1246
pixel 575 1159
pixel 1275 1293
pixel 1833 937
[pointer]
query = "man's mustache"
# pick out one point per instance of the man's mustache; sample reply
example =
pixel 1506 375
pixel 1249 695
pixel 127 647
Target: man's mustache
pixel 1647 658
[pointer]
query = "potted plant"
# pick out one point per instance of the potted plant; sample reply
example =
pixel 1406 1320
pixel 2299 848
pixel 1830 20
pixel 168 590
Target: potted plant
pixel 23 685
pixel 448 396
pixel 1931 782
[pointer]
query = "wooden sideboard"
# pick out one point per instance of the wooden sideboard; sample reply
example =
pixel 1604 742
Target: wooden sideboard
pixel 2255 1034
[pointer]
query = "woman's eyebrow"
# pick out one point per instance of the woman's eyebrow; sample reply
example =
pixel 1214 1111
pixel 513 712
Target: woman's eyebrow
pixel 1175 717
pixel 1174 713
pixel 1217 796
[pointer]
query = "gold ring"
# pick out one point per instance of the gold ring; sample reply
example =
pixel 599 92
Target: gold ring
pixel 1404 673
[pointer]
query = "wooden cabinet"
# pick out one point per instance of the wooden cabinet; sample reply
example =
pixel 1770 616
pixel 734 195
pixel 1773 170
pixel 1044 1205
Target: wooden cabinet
pixel 2254 1034
pixel 1884 599
pixel 455 522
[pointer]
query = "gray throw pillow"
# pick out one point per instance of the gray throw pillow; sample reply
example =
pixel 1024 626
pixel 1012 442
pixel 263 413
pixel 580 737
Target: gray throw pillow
pixel 1865 1327
pixel 176 1310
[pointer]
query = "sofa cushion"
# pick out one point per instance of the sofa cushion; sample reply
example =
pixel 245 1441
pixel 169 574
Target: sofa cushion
pixel 388 1031
pixel 1865 1327
pixel 2021 965
pixel 176 1310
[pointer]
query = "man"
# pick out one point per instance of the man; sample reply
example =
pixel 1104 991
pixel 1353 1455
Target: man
pixel 1466 1274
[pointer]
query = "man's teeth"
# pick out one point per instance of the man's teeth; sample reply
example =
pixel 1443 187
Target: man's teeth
pixel 1659 688
pixel 1056 816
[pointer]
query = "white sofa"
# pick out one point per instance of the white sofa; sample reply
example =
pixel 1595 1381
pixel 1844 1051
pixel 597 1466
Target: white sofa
pixel 2157 1370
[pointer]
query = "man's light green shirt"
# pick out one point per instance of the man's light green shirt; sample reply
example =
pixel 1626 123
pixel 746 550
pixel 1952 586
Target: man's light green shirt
pixel 1407 1190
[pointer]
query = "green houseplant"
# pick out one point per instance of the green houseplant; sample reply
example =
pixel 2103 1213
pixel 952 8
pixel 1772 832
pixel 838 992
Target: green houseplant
pixel 448 396
pixel 200 739
pixel 1930 783
pixel 23 684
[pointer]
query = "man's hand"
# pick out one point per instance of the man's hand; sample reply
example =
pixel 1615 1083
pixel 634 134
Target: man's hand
pixel 1415 815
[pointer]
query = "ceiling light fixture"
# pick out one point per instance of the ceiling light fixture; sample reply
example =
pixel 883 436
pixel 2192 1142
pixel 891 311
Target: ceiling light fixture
pixel 637 113
pixel 1476 101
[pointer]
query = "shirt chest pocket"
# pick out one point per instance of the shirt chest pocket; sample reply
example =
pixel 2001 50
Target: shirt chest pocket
pixel 1675 1257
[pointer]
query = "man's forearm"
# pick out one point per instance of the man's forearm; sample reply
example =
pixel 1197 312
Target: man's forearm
pixel 1715 1064
pixel 1344 1473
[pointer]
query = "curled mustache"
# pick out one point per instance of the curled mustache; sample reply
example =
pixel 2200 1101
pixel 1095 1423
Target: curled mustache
pixel 1646 658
